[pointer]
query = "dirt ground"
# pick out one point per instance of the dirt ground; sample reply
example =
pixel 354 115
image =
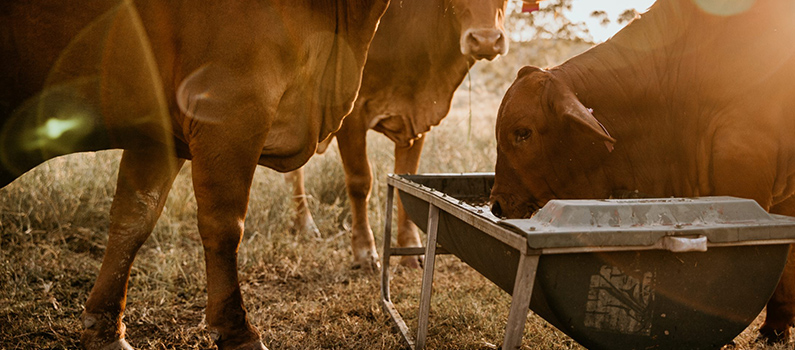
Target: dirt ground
pixel 300 291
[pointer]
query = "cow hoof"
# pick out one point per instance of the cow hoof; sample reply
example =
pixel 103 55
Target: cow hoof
pixel 367 263
pixel 412 262
pixel 103 332
pixel 306 227
pixel 255 345
pixel 774 336
pixel 119 344
pixel 373 266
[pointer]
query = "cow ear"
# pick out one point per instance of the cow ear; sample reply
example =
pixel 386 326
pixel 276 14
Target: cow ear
pixel 566 105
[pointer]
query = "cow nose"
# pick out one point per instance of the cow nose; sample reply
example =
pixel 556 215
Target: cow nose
pixel 496 209
pixel 484 43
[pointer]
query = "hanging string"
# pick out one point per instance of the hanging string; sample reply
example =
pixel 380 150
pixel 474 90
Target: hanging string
pixel 469 79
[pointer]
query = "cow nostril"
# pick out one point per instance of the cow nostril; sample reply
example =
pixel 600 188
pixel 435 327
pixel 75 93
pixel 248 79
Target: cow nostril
pixel 496 209
pixel 484 43
pixel 500 43
pixel 473 41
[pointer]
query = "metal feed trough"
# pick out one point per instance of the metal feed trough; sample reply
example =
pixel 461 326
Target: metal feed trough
pixel 677 273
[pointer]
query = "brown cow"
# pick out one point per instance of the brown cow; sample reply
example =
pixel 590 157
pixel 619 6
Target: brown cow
pixel 422 51
pixel 694 98
pixel 227 84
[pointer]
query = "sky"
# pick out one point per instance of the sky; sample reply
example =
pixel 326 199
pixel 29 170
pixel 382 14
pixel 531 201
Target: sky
pixel 581 11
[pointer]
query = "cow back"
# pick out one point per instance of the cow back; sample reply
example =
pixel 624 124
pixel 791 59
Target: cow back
pixel 99 74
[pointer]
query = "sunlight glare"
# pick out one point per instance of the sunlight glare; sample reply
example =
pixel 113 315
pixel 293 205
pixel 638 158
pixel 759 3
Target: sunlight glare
pixel 55 127
pixel 724 7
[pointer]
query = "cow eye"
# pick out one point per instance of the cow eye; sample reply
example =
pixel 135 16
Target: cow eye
pixel 522 135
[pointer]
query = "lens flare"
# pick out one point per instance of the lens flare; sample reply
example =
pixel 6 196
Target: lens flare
pixel 724 7
pixel 54 127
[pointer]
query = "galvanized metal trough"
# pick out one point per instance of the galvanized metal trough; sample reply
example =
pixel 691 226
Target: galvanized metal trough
pixel 676 273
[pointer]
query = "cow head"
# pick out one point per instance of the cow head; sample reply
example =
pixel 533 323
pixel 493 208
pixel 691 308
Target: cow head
pixel 482 27
pixel 549 145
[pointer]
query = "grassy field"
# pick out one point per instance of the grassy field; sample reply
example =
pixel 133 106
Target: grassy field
pixel 300 291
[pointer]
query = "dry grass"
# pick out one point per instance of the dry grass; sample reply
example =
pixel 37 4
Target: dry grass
pixel 300 291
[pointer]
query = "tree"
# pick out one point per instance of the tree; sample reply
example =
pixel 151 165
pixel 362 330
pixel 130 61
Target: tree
pixel 543 38
pixel 548 22
pixel 627 16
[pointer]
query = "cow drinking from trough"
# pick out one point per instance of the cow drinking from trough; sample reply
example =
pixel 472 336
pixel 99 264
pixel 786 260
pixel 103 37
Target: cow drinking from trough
pixel 421 53
pixel 227 84
pixel 694 98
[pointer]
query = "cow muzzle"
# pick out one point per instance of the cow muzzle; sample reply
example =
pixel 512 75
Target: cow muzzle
pixel 496 209
pixel 484 43
pixel 506 207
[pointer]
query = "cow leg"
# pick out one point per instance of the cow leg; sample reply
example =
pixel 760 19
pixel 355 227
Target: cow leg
pixel 781 306
pixel 143 184
pixel 303 223
pixel 352 142
pixel 407 161
pixel 222 174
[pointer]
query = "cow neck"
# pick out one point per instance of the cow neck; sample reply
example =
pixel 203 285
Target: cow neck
pixel 624 82
pixel 421 39
pixel 658 83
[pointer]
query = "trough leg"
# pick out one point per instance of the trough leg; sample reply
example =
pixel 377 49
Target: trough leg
pixel 427 276
pixel 143 184
pixel 386 299
pixel 390 195
pixel 520 303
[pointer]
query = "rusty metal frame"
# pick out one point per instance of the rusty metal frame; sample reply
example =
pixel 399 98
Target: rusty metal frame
pixel 525 276
pixel 520 303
